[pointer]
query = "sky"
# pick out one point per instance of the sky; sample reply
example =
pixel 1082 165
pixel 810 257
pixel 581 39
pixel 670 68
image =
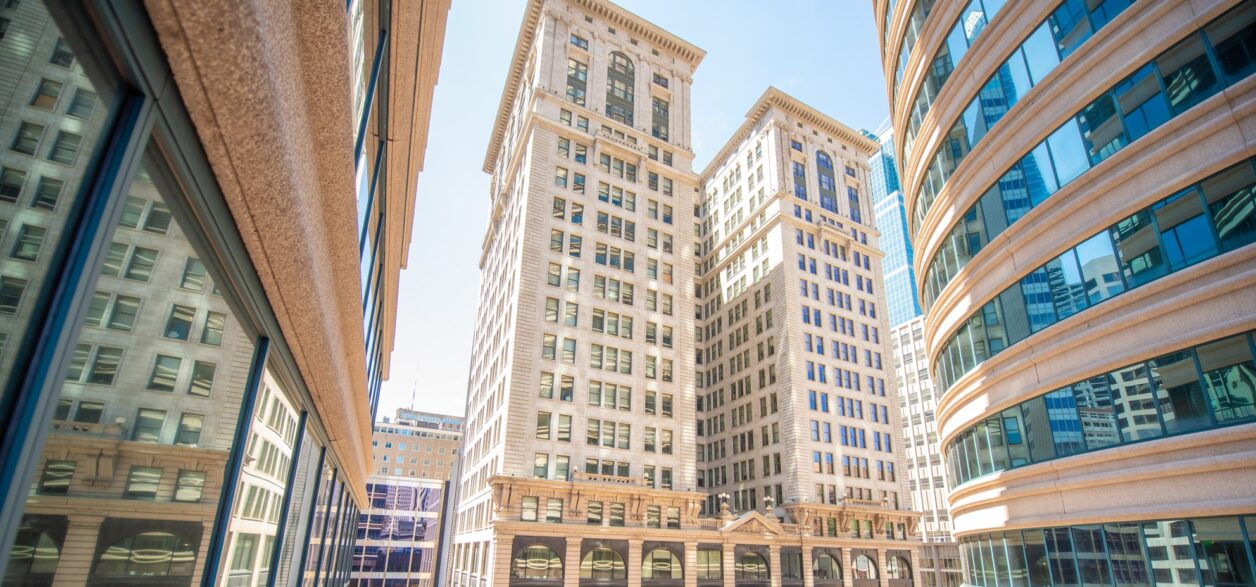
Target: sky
pixel 823 52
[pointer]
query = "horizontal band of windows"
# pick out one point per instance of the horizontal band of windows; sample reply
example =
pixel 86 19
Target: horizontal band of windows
pixel 1059 35
pixel 1215 216
pixel 911 33
pixel 1207 551
pixel 1165 87
pixel 1208 386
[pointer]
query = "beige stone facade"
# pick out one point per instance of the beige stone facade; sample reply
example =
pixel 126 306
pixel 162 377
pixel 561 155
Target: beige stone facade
pixel 594 424
pixel 416 444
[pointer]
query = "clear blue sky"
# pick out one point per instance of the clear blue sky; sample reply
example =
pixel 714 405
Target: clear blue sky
pixel 823 52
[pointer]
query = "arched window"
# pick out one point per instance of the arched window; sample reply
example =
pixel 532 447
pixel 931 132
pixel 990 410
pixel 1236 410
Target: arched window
pixel 34 553
pixel 603 563
pixel 661 563
pixel 148 554
pixel 537 562
pixel 751 566
pixel 864 568
pixel 620 82
pixel 825 568
pixel 828 182
pixel 897 567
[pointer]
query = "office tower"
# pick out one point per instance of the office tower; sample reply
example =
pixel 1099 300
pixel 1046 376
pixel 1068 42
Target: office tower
pixel 581 455
pixel 416 444
pixel 1079 193
pixel 400 531
pixel 186 398
pixel 902 301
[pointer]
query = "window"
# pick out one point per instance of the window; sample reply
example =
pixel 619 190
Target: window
pixel 65 148
pixel 141 266
pixel 11 181
pixel 579 41
pixel 824 567
pixel 46 94
pixel 553 510
pixel 158 220
pixel 863 567
pixel 528 509
pixel 710 565
pixel 82 105
pixel 661 563
pixel 577 81
pixel 165 371
pixel 47 192
pixel 202 378
pixel 659 122
pixel 537 562
pixel 61 55
pixel 142 483
pixel 179 324
pixel 148 425
pixel 602 563
pixel 27 138
pixel 751 566
pixel 620 90
pixel 189 432
pixel 214 324
pixel 896 567
pixel 30 239
pixel 194 275
pixel 56 478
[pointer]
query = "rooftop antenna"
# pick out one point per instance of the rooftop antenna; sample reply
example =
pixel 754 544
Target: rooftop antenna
pixel 413 388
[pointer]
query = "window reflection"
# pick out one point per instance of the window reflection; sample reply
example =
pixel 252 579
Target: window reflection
pixel 1146 400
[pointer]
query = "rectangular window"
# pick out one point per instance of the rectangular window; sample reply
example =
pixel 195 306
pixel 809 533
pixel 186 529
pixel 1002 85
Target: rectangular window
pixel 47 193
pixel 148 425
pixel 528 509
pixel 214 324
pixel 142 483
pixel 30 239
pixel 27 138
pixel 165 371
pixel 179 324
pixel 141 266
pixel 194 275
pixel 202 378
pixel 56 477
pixel 65 148
pixel 82 105
pixel 553 510
pixel 11 181
pixel 189 486
pixel 189 432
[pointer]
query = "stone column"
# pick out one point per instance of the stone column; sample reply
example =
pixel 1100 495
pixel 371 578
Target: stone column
pixel 500 559
pixel 808 577
pixel 634 563
pixel 774 564
pixel 848 569
pixel 730 577
pixel 571 563
pixel 691 564
pixel 80 549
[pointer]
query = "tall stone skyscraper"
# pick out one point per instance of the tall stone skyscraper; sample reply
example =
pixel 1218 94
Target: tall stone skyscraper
pixel 646 402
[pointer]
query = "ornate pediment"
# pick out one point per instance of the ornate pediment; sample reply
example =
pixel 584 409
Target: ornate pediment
pixel 753 523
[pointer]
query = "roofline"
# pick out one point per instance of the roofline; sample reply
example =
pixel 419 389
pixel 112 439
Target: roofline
pixel 527 36
pixel 775 98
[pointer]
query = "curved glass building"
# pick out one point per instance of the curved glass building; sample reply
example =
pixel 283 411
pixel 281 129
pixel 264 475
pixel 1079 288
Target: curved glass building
pixel 1079 184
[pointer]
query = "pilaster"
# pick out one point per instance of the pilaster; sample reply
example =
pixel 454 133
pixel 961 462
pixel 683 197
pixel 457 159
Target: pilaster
pixel 808 577
pixel 634 562
pixel 500 558
pixel 730 578
pixel 571 563
pixel 691 564
pixel 80 549
pixel 774 564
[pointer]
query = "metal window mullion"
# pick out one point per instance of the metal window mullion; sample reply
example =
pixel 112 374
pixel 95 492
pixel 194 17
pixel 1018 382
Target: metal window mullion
pixel 215 550
pixel 298 570
pixel 72 283
pixel 284 511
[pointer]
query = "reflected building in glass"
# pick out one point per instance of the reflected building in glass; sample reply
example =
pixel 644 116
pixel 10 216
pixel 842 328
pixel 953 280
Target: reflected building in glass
pixel 1081 198
pixel 188 365
pixel 400 533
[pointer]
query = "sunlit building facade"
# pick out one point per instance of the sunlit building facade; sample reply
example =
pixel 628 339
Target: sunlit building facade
pixel 1079 191
pixel 584 461
pixel 186 398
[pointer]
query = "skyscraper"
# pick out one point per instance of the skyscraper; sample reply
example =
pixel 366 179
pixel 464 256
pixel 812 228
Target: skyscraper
pixel 902 301
pixel 624 421
pixel 1079 192
pixel 188 355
